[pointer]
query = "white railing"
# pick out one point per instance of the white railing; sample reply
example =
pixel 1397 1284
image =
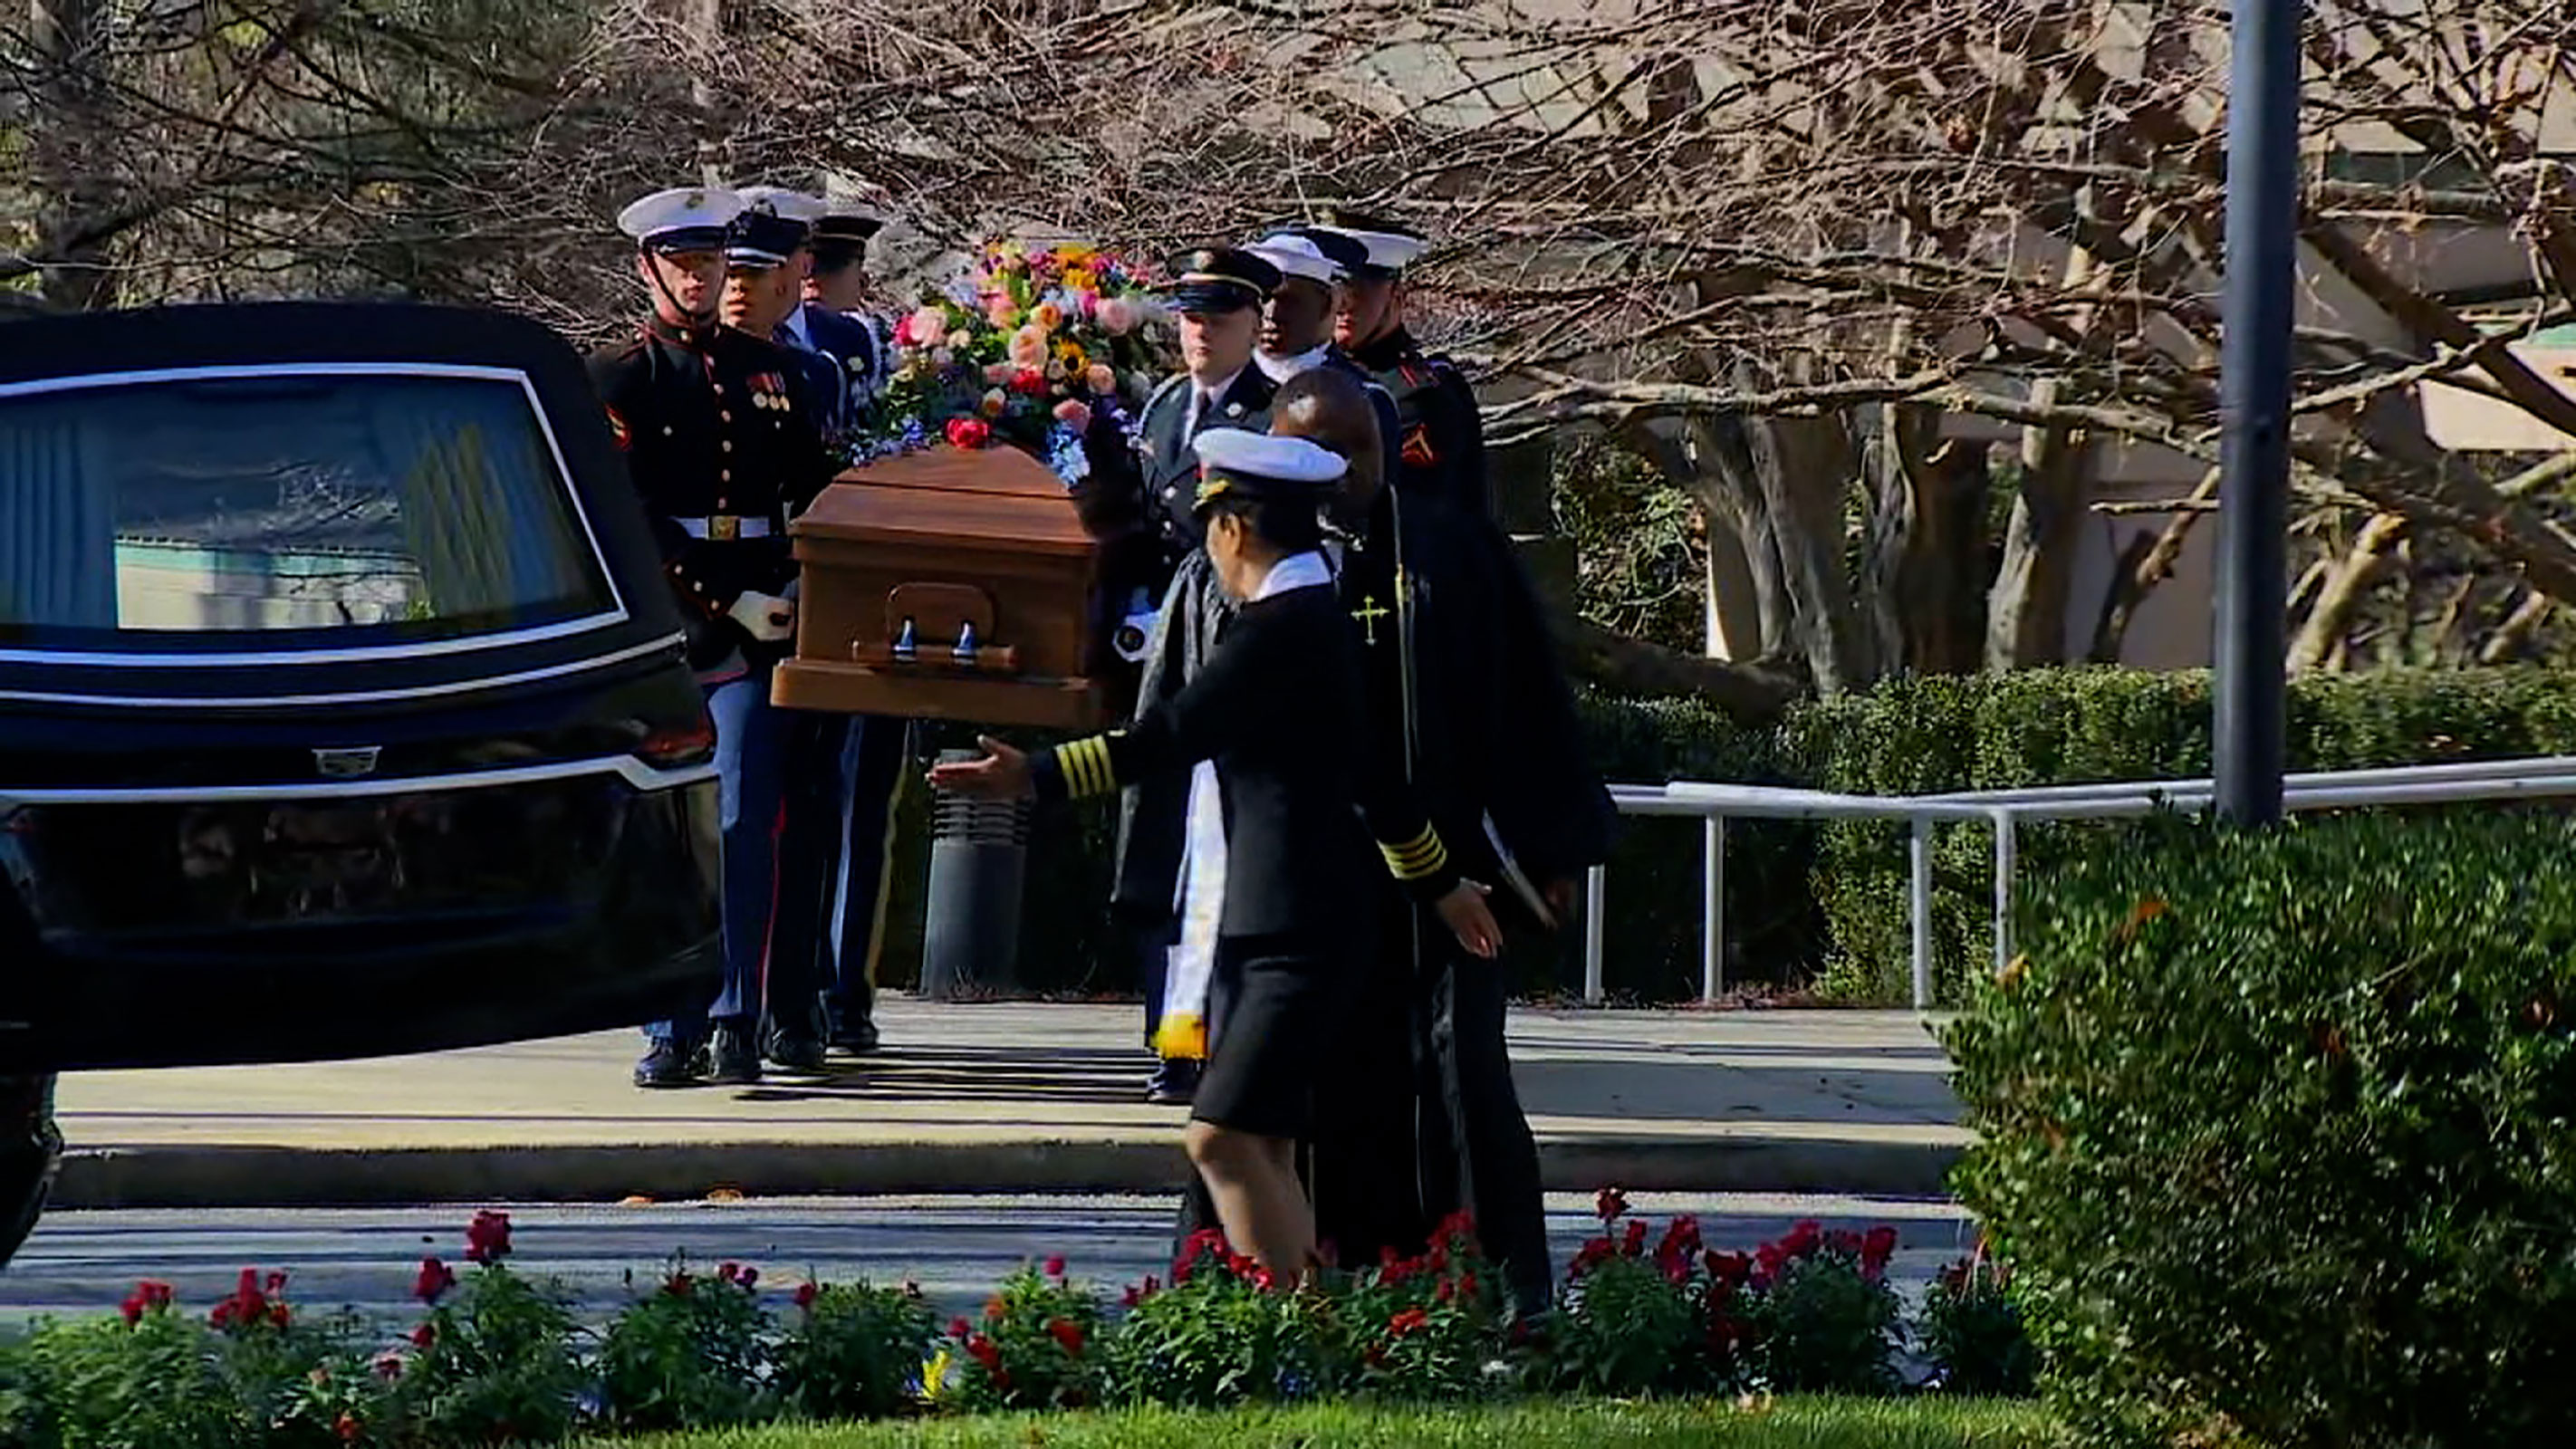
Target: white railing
pixel 1714 804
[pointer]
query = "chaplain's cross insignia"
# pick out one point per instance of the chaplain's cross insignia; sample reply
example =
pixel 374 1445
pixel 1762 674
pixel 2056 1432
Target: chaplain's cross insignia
pixel 1368 613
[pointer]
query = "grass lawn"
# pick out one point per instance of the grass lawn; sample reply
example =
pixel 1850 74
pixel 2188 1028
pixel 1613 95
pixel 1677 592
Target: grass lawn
pixel 1788 1424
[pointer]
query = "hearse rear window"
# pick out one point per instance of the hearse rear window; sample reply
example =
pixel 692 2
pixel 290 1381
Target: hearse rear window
pixel 280 510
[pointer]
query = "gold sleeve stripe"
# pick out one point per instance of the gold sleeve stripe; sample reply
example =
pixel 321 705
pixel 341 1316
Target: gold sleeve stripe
pixel 1086 767
pixel 1421 856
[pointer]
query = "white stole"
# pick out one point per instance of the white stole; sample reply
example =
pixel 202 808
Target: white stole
pixel 1198 897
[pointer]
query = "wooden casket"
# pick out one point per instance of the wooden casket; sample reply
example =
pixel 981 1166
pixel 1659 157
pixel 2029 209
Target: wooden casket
pixel 901 558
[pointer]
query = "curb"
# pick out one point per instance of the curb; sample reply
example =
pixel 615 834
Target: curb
pixel 233 1177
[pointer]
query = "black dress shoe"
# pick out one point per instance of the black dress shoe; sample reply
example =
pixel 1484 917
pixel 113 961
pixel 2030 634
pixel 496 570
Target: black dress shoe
pixel 794 1052
pixel 1174 1084
pixel 857 1036
pixel 669 1064
pixel 736 1060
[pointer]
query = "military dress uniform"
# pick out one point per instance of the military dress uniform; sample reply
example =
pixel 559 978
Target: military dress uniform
pixel 1328 258
pixel 1280 712
pixel 721 455
pixel 844 770
pixel 1144 511
pixel 1440 434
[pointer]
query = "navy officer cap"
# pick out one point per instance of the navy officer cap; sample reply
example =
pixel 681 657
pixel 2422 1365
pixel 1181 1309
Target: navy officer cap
pixel 846 228
pixel 1240 463
pixel 763 239
pixel 1219 279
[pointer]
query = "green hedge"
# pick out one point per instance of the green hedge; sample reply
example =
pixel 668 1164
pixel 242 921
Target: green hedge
pixel 1827 904
pixel 2279 1129
pixel 2078 726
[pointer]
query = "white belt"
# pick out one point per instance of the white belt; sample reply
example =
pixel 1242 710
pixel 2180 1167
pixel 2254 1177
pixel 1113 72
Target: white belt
pixel 724 528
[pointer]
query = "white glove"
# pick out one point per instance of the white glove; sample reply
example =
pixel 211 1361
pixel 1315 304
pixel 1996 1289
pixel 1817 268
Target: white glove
pixel 765 617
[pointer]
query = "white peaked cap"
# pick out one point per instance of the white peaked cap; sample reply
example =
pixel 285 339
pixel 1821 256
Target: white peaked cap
pixel 1262 456
pixel 680 209
pixel 1385 248
pixel 1297 256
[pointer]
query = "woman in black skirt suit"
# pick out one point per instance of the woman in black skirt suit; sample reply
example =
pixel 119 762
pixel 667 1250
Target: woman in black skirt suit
pixel 1280 708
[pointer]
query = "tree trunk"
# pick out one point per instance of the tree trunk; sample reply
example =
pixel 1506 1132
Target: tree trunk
pixel 2363 566
pixel 1925 566
pixel 1686 451
pixel 1802 469
pixel 2139 576
pixel 1734 604
pixel 1748 693
pixel 70 150
pixel 2026 616
pixel 706 27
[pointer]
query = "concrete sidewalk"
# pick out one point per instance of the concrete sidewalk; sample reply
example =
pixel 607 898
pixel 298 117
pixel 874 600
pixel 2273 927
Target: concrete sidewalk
pixel 999 1098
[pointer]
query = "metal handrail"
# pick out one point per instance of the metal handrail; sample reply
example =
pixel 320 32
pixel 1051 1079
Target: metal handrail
pixel 2549 777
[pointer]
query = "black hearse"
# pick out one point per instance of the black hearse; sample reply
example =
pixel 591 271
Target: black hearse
pixel 342 702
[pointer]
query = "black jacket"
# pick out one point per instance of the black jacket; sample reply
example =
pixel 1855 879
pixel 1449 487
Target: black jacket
pixel 1441 436
pixel 712 426
pixel 1281 708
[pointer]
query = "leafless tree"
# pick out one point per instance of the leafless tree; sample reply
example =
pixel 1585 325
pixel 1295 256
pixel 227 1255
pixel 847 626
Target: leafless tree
pixel 1882 290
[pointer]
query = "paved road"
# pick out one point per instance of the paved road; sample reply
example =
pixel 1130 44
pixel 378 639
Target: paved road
pixel 79 1263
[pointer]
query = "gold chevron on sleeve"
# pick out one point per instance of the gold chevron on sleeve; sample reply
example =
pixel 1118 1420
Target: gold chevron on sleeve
pixel 1421 856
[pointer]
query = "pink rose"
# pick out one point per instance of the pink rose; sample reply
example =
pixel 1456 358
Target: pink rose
pixel 1074 413
pixel 1000 310
pixel 928 325
pixel 998 373
pixel 1029 349
pixel 1101 380
pixel 1118 316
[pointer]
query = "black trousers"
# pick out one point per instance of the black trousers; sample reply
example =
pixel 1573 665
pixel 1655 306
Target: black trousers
pixel 1476 1151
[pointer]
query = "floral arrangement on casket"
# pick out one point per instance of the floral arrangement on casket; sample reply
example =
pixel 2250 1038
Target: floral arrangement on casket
pixel 1026 350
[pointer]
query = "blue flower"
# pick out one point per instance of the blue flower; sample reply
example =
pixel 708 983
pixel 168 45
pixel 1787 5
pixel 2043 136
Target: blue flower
pixel 1065 455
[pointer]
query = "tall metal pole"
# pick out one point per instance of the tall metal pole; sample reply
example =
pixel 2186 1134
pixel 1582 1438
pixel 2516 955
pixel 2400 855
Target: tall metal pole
pixel 2254 408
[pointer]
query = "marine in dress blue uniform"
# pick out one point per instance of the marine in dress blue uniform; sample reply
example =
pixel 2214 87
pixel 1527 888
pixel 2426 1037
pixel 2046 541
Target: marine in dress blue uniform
pixel 845 770
pixel 721 455
pixel 1440 433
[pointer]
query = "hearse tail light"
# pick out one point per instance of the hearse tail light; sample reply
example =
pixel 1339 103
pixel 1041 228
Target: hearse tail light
pixel 676 748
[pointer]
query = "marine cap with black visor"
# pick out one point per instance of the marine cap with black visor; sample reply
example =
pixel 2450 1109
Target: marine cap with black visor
pixel 677 222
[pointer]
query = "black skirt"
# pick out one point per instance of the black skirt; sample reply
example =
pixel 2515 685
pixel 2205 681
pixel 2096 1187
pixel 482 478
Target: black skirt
pixel 1274 1005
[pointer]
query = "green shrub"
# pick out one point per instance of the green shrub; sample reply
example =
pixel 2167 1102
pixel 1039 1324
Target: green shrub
pixel 1825 904
pixel 693 1353
pixel 1973 1332
pixel 494 1364
pixel 1824 1320
pixel 2077 726
pixel 856 1352
pixel 1038 1345
pixel 1220 1336
pixel 2279 1129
